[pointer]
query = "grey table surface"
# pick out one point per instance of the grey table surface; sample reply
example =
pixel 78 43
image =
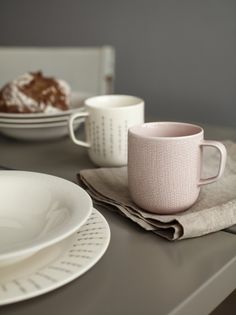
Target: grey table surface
pixel 140 273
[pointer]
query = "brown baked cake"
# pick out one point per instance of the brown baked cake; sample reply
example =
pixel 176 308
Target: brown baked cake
pixel 34 93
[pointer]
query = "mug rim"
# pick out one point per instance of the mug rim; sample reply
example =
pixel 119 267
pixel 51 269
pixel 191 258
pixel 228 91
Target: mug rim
pixel 132 130
pixel 139 101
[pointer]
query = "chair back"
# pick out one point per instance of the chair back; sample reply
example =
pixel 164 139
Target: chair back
pixel 87 69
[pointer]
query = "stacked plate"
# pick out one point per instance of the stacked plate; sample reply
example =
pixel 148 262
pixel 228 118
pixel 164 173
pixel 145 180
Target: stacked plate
pixel 49 234
pixel 41 126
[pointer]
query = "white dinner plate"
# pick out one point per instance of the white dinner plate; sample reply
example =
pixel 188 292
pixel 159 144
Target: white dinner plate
pixel 34 125
pixel 56 265
pixel 38 132
pixel 77 102
pixel 43 120
pixel 36 211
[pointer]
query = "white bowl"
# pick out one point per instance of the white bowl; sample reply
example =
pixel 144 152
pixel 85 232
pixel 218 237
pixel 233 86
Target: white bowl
pixel 76 103
pixel 36 211
pixel 37 131
pixel 42 126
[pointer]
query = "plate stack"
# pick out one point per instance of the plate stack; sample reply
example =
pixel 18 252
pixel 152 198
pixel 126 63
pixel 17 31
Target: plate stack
pixel 49 234
pixel 41 126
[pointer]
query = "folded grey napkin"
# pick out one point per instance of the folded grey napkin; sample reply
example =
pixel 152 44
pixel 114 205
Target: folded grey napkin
pixel 214 210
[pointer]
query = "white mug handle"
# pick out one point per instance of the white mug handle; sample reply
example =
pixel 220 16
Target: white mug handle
pixel 223 155
pixel 71 129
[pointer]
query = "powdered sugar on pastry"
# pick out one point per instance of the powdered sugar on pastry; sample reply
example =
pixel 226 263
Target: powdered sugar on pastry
pixel 33 92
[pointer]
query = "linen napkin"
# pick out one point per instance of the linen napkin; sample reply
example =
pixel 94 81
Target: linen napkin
pixel 214 210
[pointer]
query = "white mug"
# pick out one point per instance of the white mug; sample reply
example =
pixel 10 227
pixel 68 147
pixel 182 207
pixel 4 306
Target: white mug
pixel 107 120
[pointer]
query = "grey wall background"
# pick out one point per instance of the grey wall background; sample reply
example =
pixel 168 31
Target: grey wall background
pixel 179 55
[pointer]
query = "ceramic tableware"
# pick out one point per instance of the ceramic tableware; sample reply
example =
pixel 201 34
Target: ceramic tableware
pixel 107 119
pixel 56 265
pixel 41 126
pixel 36 211
pixel 76 103
pixel 37 131
pixel 164 165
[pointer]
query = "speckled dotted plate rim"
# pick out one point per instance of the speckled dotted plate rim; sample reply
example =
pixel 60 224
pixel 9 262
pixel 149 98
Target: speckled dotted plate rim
pixel 57 265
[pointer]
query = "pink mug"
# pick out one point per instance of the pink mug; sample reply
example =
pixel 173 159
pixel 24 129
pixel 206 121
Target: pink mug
pixel 164 165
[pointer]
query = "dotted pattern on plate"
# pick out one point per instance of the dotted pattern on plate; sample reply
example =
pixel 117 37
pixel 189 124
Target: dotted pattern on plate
pixel 78 254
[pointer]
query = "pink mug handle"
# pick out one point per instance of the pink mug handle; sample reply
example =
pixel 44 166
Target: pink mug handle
pixel 223 155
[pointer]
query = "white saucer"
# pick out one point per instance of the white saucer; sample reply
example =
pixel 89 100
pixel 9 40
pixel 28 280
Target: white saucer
pixel 57 265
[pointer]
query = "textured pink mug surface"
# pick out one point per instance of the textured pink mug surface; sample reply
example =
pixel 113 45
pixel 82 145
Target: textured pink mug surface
pixel 164 165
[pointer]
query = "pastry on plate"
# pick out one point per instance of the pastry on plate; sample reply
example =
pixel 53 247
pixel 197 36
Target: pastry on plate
pixel 35 93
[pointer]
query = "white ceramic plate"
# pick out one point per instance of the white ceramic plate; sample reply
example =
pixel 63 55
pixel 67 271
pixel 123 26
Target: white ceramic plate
pixel 43 120
pixel 38 132
pixel 34 125
pixel 57 265
pixel 77 102
pixel 36 211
